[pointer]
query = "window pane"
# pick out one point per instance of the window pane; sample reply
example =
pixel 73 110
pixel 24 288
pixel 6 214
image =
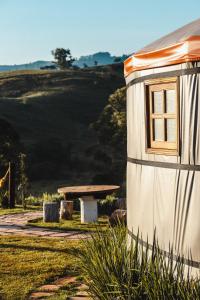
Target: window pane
pixel 170 101
pixel 171 130
pixel 158 129
pixel 158 102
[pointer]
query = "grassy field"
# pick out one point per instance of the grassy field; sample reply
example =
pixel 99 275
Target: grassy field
pixel 18 209
pixel 27 263
pixel 52 109
pixel 73 225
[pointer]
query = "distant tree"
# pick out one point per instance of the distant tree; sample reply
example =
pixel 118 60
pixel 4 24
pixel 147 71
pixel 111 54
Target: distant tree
pixel 75 67
pixel 95 62
pixel 63 58
pixel 85 65
pixel 117 59
pixel 48 67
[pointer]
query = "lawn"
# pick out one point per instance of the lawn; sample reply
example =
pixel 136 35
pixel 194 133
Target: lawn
pixel 26 263
pixel 18 209
pixel 72 225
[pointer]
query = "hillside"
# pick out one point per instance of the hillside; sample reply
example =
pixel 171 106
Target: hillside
pixel 101 58
pixel 52 111
pixel 36 65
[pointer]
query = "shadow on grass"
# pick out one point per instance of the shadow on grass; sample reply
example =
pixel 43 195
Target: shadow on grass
pixel 72 251
pixel 33 226
pixel 75 226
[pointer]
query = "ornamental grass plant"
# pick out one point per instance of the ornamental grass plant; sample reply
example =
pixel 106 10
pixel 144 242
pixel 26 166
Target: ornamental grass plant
pixel 114 271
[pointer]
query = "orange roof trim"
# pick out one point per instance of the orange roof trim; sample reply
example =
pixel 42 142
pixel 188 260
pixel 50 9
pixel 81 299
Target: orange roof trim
pixel 180 52
pixel 182 45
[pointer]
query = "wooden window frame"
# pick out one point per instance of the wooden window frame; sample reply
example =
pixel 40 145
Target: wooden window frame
pixel 161 147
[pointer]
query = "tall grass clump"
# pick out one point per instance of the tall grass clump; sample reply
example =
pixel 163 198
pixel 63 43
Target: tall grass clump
pixel 114 271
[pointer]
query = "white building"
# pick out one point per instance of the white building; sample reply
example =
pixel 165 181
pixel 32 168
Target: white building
pixel 163 168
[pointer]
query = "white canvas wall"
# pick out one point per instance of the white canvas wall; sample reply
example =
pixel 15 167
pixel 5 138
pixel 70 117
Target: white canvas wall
pixel 161 198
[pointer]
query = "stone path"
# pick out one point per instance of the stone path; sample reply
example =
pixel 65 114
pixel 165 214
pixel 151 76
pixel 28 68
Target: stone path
pixel 50 290
pixel 16 224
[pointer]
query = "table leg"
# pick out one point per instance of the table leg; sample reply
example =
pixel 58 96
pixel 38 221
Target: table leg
pixel 89 212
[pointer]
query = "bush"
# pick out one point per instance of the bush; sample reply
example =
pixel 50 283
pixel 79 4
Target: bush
pixel 108 205
pixel 38 201
pixel 114 271
pixel 32 200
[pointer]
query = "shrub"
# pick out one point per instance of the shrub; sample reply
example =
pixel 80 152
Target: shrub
pixel 108 205
pixel 33 200
pixel 114 271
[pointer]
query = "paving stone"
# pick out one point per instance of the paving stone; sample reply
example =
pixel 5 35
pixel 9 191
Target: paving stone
pixel 42 233
pixel 16 224
pixel 80 298
pixel 83 287
pixel 40 295
pixel 82 294
pixel 49 288
pixel 79 236
pixel 59 234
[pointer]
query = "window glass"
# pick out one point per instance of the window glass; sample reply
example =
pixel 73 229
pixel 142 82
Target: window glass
pixel 158 129
pixel 158 102
pixel 171 130
pixel 170 101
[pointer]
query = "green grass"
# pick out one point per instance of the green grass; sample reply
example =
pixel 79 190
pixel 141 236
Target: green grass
pixel 18 209
pixel 114 271
pixel 44 105
pixel 27 263
pixel 73 225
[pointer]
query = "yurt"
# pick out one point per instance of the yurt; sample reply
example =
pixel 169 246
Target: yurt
pixel 163 164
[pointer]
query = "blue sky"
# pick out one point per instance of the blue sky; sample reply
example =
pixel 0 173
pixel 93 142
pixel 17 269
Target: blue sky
pixel 30 29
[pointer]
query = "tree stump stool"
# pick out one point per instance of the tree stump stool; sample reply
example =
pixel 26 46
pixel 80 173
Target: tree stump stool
pixel 50 212
pixel 66 210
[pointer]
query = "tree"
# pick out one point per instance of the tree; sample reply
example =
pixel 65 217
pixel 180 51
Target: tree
pixel 111 133
pixel 10 145
pixel 85 65
pixel 63 58
pixel 23 179
pixel 95 62
pixel 111 125
pixel 10 148
pixel 117 59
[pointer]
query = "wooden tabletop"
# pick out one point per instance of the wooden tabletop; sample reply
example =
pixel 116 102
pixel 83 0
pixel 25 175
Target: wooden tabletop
pixel 95 190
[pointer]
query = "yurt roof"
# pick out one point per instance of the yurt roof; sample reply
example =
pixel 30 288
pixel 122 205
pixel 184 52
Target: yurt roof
pixel 182 45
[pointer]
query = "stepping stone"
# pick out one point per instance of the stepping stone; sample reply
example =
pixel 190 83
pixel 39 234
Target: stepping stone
pixel 83 287
pixel 59 234
pixel 40 295
pixel 80 298
pixel 49 288
pixel 82 294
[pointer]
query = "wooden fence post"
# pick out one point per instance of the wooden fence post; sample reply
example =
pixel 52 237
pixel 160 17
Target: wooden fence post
pixel 11 185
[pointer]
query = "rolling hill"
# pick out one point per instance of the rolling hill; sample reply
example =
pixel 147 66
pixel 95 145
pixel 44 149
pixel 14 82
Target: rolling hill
pixel 52 112
pixel 101 58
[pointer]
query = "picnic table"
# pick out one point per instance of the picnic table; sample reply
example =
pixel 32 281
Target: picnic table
pixel 88 196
